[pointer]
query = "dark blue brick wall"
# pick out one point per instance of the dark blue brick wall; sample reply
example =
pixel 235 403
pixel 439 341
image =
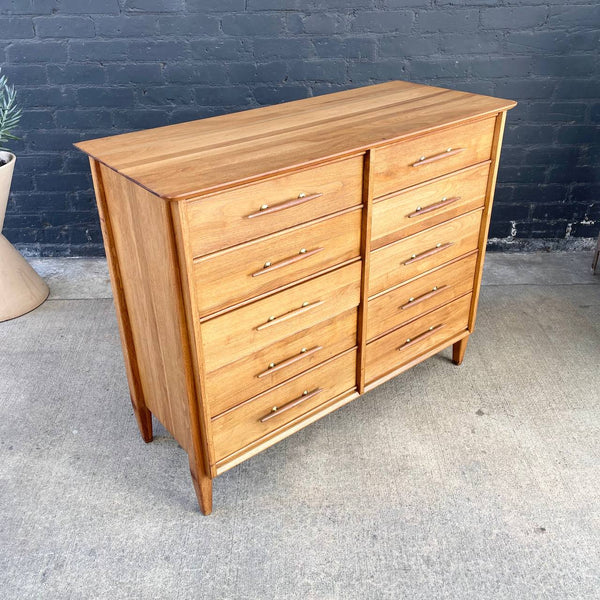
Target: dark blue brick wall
pixel 89 68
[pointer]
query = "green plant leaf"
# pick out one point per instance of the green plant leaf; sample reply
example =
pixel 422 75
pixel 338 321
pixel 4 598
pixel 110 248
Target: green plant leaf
pixel 10 112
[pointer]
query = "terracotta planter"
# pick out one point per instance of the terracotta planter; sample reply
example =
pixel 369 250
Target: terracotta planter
pixel 21 288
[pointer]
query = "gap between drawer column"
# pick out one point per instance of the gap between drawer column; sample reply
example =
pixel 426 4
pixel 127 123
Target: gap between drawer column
pixel 365 250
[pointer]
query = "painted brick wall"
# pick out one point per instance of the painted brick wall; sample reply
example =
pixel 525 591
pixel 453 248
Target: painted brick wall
pixel 89 68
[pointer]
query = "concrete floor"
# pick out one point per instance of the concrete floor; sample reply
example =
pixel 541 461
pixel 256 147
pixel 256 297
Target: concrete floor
pixel 472 482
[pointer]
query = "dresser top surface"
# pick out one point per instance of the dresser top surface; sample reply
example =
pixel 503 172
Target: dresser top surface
pixel 190 159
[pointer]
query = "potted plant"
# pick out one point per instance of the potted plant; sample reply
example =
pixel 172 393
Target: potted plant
pixel 21 288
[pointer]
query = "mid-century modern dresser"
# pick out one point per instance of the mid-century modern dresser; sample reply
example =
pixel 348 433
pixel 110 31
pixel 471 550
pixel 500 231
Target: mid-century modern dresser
pixel 272 265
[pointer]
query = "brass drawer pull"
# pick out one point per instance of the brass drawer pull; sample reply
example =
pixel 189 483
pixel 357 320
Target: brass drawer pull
pixel 306 306
pixel 279 409
pixel 269 266
pixel 412 301
pixel 274 367
pixel 421 336
pixel 265 209
pixel 449 152
pixel 430 252
pixel 443 202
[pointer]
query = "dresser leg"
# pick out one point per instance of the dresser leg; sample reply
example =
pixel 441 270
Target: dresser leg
pixel 144 420
pixel 458 350
pixel 202 486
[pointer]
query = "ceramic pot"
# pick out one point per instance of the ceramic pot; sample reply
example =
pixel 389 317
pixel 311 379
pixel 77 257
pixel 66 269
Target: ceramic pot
pixel 6 173
pixel 21 288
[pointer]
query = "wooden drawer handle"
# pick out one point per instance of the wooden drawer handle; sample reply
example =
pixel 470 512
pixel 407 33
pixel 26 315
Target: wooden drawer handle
pixel 279 409
pixel 269 266
pixel 449 152
pixel 306 306
pixel 421 336
pixel 412 301
pixel 443 202
pixel 265 209
pixel 430 252
pixel 274 367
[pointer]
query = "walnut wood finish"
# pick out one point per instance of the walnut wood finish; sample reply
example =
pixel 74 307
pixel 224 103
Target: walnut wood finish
pixel 270 266
pixel 458 350
pixel 401 214
pixel 229 218
pixel 141 231
pixel 243 333
pixel 417 337
pixel 389 310
pixel 423 251
pixel 230 276
pixel 487 213
pixel 189 159
pixel 245 423
pixel 251 375
pixel 394 166
pixel 142 414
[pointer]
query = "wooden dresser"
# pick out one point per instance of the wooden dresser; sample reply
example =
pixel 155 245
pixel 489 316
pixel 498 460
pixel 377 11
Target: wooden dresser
pixel 272 265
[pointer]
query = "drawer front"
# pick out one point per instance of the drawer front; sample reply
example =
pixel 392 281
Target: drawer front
pixel 417 337
pixel 256 418
pixel 248 329
pixel 408 163
pixel 246 271
pixel 280 361
pixel 419 253
pixel 421 295
pixel 415 209
pixel 232 217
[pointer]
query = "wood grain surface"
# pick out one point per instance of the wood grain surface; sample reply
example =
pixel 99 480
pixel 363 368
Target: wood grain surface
pixel 222 220
pixel 242 333
pixel 399 165
pixel 389 310
pixel 417 337
pixel 402 260
pixel 418 207
pixel 186 160
pixel 238 381
pixel 311 251
pixel 241 425
pixel 236 274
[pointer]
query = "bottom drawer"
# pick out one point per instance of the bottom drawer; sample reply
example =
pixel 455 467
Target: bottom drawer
pixel 275 408
pixel 417 337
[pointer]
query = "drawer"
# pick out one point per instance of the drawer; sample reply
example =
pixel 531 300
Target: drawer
pixel 280 361
pixel 417 337
pixel 423 251
pixel 235 216
pixel 246 271
pixel 256 418
pixel 426 205
pixel 420 295
pixel 246 330
pixel 406 163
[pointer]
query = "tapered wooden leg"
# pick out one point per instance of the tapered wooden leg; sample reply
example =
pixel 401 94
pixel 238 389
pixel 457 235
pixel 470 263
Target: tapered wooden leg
pixel 202 486
pixel 458 350
pixel 144 420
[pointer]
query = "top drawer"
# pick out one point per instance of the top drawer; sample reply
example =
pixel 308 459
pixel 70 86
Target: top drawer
pixel 251 211
pixel 408 163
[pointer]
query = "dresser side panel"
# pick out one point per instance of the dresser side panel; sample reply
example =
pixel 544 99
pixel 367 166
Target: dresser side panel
pixel 487 213
pixel 143 240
